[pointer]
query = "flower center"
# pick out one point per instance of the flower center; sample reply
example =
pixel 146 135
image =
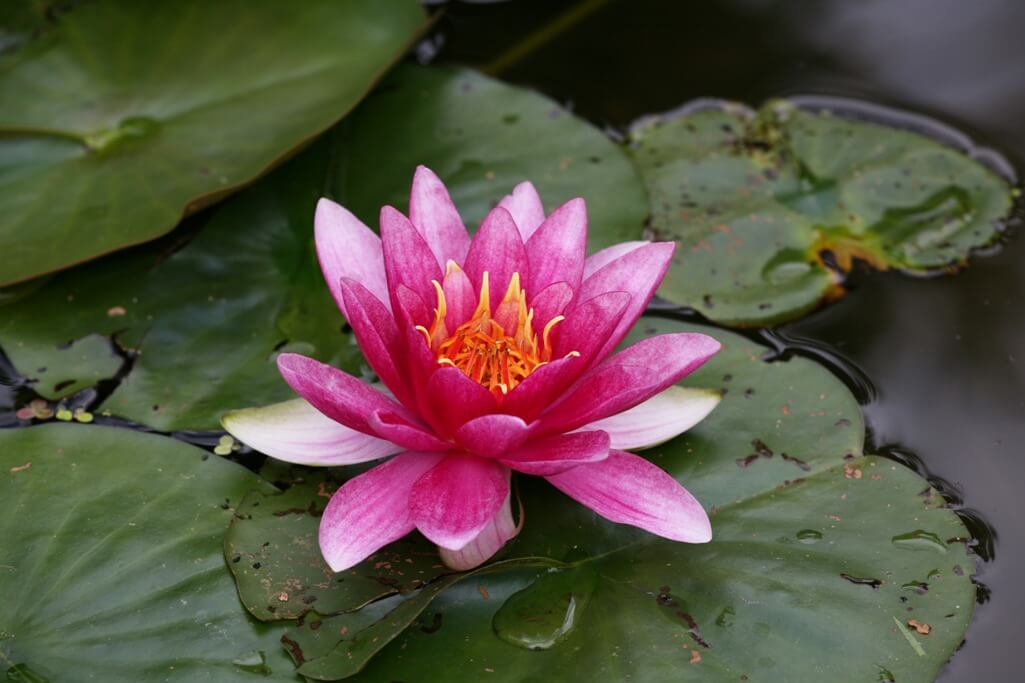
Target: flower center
pixel 500 349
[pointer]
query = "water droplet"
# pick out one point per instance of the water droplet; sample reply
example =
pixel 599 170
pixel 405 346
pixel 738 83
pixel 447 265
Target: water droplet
pixel 920 540
pixel 253 662
pixel 725 618
pixel 545 612
pixel 809 536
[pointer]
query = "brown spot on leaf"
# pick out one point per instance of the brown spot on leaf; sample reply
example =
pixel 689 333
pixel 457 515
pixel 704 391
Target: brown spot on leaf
pixel 922 628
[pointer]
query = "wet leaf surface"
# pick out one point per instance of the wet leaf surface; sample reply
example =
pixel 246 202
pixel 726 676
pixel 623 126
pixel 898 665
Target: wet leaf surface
pixel 111 566
pixel 121 117
pixel 770 207
pixel 755 604
pixel 205 318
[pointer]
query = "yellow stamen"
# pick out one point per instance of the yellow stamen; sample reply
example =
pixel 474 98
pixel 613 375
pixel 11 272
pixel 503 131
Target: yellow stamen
pixel 497 351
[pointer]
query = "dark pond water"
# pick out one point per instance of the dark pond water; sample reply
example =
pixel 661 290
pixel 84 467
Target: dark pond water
pixel 944 358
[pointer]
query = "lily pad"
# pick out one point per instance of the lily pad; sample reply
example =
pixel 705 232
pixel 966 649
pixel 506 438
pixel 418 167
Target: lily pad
pixel 202 322
pixel 482 137
pixel 802 583
pixel 111 566
pixel 817 550
pixel 122 116
pixel 204 318
pixel 771 207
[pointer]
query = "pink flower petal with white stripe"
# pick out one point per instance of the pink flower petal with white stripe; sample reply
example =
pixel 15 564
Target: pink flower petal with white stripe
pixel 664 416
pixel 628 489
pixel 627 379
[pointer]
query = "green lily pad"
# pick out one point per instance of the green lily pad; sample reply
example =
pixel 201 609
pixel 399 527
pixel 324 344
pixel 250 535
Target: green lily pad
pixel 205 320
pixel 340 646
pixel 802 583
pixel 272 550
pixel 482 137
pixel 124 116
pixel 111 566
pixel 817 549
pixel 770 207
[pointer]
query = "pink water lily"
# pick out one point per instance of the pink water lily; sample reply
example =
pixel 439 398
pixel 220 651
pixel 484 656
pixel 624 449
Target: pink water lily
pixel 494 355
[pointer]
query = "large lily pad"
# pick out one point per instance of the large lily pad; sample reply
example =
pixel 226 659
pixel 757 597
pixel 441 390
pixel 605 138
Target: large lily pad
pixel 205 320
pixel 111 566
pixel 770 207
pixel 817 550
pixel 123 116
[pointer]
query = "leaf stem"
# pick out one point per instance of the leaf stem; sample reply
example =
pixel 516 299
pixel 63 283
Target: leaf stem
pixel 543 35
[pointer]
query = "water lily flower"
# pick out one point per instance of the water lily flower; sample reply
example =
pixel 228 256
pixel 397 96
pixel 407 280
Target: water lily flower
pixel 494 355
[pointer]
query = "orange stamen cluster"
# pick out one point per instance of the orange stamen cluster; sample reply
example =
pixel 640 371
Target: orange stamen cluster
pixel 497 350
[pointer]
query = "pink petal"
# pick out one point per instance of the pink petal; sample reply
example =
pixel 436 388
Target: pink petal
pixel 492 435
pixel 545 384
pixel 456 500
pixel 498 250
pixel 630 377
pixel 499 530
pixel 550 302
pixel 582 333
pixel 377 336
pixel 408 260
pixel 420 361
pixel 399 430
pixel 435 216
pixel 371 510
pixel 458 398
pixel 556 250
pixel 295 431
pixel 638 273
pixel 599 260
pixel 558 453
pixel 337 394
pixel 628 489
pixel 524 205
pixel 662 417
pixel 588 326
pixel 348 248
pixel 460 298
